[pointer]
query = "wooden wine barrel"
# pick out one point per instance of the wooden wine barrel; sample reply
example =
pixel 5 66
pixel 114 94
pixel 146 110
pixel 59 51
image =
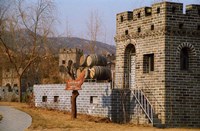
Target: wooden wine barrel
pixel 87 73
pixel 100 73
pixel 83 60
pixel 80 69
pixel 96 60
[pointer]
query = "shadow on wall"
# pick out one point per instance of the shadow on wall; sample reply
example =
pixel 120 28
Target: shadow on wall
pixel 119 105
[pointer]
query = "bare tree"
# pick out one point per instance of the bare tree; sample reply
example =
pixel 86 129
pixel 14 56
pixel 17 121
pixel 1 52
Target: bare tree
pixel 124 95
pixel 68 29
pixel 24 32
pixel 94 29
pixel 53 71
pixel 75 93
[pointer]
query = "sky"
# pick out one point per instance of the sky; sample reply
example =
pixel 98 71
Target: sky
pixel 73 15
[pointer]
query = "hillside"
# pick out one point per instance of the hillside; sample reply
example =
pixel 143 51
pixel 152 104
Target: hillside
pixel 55 43
pixel 73 42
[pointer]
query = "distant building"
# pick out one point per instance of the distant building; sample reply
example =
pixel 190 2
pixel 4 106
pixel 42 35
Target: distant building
pixel 66 54
pixel 111 61
pixel 2 57
pixel 111 58
pixel 9 76
pixel 0 76
pixel 9 82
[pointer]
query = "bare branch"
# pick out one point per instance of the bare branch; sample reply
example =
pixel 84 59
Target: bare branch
pixel 23 46
pixel 8 53
pixel 94 28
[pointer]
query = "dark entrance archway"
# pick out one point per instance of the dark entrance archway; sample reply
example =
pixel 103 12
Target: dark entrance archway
pixel 129 66
pixel 9 87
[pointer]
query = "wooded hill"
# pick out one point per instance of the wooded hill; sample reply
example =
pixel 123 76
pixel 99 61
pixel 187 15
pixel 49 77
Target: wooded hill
pixel 56 43
pixel 74 42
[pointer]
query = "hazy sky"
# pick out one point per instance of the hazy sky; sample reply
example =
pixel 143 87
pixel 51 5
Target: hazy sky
pixel 76 13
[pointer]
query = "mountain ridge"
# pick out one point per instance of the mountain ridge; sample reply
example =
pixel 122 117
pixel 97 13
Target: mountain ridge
pixel 23 39
pixel 80 43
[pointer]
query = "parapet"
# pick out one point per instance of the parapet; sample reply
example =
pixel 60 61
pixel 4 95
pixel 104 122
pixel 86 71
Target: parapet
pixel 70 50
pixel 169 8
pixel 125 16
pixel 193 10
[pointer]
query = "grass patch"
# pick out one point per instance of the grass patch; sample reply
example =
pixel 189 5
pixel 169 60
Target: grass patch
pixel 52 120
pixel 42 118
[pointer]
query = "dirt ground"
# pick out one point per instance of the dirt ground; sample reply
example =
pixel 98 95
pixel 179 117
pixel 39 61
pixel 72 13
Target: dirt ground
pixel 51 120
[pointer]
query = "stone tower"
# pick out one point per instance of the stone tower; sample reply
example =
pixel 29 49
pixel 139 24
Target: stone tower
pixel 66 55
pixel 158 52
pixel 69 54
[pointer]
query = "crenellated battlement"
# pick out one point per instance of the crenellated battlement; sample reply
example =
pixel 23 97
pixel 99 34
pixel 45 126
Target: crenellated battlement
pixel 124 16
pixel 157 8
pixel 70 50
pixel 66 54
pixel 160 16
pixel 193 10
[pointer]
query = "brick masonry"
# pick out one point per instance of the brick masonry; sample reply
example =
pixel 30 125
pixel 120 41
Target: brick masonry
pixel 163 30
pixel 66 54
pixel 106 102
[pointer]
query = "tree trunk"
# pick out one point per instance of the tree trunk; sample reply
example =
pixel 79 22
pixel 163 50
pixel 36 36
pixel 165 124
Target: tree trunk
pixel 124 111
pixel 19 89
pixel 73 104
pixel 123 97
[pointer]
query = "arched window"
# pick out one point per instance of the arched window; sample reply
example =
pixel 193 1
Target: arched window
pixel 184 58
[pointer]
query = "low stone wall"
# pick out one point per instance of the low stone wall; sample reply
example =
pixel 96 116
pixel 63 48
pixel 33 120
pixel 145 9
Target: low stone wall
pixel 9 94
pixel 97 99
pixel 94 98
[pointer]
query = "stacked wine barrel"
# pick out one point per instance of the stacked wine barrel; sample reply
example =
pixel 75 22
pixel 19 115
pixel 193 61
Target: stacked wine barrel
pixel 95 67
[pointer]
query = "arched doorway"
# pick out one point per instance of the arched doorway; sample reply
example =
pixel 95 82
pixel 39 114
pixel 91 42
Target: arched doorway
pixel 9 87
pixel 129 66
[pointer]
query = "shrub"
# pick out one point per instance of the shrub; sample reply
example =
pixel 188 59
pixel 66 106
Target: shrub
pixel 1 117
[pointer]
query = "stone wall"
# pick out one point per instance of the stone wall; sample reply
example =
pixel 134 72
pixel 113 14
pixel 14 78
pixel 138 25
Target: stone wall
pixel 163 30
pixel 97 99
pixel 182 86
pixel 9 76
pixel 9 94
pixel 66 54
pixel 146 41
pixel 1 75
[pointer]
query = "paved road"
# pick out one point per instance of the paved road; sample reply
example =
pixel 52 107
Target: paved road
pixel 13 119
